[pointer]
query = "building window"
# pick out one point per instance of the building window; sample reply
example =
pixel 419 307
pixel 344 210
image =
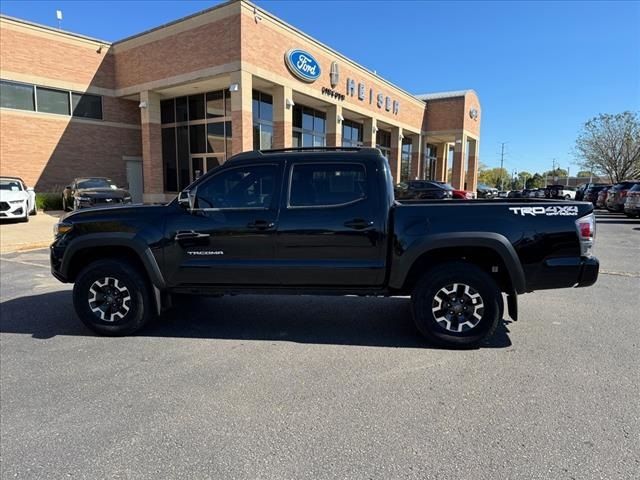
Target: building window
pixel 405 160
pixel 196 136
pixel 309 127
pixel 351 134
pixel 37 98
pixel 262 121
pixel 383 142
pixel 430 159
pixel 50 100
pixel 86 106
pixel 16 95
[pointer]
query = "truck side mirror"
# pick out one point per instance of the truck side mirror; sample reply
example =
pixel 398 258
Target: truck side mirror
pixel 187 199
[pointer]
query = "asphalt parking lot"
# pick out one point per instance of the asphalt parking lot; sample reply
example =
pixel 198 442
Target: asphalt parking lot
pixel 288 388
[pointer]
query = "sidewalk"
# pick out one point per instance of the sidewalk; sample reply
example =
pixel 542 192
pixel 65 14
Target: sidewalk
pixel 38 233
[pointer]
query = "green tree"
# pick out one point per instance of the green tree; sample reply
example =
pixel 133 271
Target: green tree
pixel 537 181
pixel 493 177
pixel 583 174
pixel 611 144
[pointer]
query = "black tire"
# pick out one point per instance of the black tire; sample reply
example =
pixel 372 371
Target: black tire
pixel 65 207
pixel 34 211
pixel 430 291
pixel 25 219
pixel 137 310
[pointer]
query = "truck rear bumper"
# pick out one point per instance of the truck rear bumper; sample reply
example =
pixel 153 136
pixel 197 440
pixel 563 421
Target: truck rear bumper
pixel 589 272
pixel 563 272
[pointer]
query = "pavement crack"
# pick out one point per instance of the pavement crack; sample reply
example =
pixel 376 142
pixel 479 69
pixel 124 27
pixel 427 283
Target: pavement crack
pixel 620 274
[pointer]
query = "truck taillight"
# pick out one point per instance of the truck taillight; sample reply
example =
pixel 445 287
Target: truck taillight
pixel 586 227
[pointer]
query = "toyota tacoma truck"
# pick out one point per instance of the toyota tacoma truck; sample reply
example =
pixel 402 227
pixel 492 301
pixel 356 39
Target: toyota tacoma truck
pixel 322 222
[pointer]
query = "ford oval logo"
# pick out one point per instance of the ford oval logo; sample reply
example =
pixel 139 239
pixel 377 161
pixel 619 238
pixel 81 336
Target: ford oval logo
pixel 302 65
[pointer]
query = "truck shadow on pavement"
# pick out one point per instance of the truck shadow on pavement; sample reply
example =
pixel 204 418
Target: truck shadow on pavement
pixel 375 322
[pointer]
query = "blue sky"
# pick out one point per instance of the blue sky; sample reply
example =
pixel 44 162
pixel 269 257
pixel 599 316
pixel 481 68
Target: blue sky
pixel 540 68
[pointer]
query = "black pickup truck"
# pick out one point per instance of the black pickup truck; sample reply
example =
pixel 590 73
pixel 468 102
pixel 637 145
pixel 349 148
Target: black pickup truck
pixel 322 221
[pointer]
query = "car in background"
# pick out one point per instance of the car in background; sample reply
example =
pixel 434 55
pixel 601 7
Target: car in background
pixel 632 202
pixel 423 190
pixel 558 192
pixel 503 194
pixel 617 195
pixel 17 201
pixel 602 197
pixel 485 191
pixel 517 194
pixel 591 194
pixel 535 193
pixel 88 192
pixel 582 189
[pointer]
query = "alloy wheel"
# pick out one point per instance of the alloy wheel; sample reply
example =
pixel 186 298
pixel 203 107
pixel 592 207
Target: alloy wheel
pixel 457 307
pixel 109 300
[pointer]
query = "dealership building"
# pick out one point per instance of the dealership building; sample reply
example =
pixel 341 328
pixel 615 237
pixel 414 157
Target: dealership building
pixel 158 109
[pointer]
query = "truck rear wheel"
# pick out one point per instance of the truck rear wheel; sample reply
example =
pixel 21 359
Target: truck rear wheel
pixel 112 298
pixel 456 304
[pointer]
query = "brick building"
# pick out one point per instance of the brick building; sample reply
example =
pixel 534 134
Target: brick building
pixel 160 108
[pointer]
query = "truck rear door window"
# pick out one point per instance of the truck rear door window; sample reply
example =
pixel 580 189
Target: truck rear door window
pixel 326 184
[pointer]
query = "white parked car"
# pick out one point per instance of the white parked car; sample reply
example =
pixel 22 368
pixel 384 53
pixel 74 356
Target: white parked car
pixel 16 200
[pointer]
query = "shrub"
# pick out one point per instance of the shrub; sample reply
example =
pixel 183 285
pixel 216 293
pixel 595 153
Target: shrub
pixel 49 201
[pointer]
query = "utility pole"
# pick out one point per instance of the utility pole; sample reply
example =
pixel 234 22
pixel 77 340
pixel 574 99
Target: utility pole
pixel 501 167
pixel 568 172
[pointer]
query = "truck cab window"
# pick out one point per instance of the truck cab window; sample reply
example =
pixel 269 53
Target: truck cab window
pixel 243 187
pixel 315 185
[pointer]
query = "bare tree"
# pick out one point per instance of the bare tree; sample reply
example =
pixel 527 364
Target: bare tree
pixel 611 144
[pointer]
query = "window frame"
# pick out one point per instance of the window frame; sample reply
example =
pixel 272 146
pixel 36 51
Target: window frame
pixel 34 100
pixel 225 170
pixel 292 166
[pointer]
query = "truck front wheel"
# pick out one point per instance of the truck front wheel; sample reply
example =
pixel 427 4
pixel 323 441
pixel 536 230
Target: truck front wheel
pixel 112 298
pixel 456 304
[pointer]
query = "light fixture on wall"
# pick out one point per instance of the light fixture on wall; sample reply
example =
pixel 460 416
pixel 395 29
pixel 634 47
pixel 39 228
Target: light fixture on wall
pixel 401 136
pixel 234 87
pixel 458 141
pixel 340 118
pixel 256 16
pixel 142 104
pixel 289 103
pixel 374 129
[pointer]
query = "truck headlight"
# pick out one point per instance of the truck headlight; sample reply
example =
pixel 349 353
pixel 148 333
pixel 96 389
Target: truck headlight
pixel 126 199
pixel 83 199
pixel 61 228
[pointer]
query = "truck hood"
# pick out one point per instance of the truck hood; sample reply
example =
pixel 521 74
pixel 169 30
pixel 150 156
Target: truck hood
pixel 112 211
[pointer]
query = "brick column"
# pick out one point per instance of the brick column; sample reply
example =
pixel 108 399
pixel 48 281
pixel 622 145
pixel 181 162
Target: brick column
pixel 416 151
pixel 396 149
pixel 441 162
pixel 368 135
pixel 241 116
pixel 457 176
pixel 334 129
pixel 282 117
pixel 472 169
pixel 152 167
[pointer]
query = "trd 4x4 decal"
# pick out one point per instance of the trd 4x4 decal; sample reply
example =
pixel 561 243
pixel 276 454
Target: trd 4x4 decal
pixel 568 211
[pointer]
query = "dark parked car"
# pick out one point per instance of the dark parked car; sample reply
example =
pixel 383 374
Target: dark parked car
pixel 591 194
pixel 423 190
pixel 582 189
pixel 485 191
pixel 93 192
pixel 632 202
pixel 517 194
pixel 617 195
pixel 602 197
pixel 324 222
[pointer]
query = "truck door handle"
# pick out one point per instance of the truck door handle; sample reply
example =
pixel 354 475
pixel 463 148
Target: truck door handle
pixel 184 234
pixel 358 224
pixel 260 225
